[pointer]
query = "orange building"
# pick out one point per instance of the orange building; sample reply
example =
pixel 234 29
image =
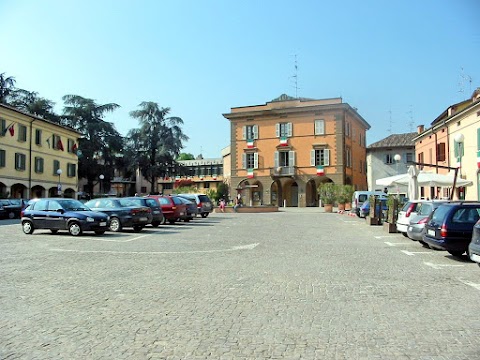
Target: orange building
pixel 282 150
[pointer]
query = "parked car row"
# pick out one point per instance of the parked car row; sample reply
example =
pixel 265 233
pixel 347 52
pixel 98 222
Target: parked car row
pixel 102 214
pixel 453 226
pixel 11 208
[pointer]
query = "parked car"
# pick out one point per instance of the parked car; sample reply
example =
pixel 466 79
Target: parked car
pixel 359 198
pixel 408 210
pixel 365 207
pixel 123 213
pixel 204 204
pixel 191 207
pixel 153 204
pixel 417 222
pixel 173 208
pixel 450 226
pixel 474 246
pixel 63 214
pixel 12 207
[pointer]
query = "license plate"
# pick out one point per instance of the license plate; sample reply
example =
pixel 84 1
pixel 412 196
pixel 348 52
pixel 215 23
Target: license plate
pixel 181 213
pixel 103 224
pixel 475 257
pixel 156 212
pixel 431 232
pixel 143 219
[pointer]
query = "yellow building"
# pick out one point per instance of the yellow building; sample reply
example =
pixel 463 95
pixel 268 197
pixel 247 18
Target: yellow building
pixel 282 150
pixel 38 158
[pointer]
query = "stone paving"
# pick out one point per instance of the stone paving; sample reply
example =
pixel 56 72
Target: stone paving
pixel 297 284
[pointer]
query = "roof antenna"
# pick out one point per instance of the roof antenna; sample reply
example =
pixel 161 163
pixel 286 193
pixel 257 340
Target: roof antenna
pixel 389 130
pixel 295 77
pixel 410 123
pixel 461 84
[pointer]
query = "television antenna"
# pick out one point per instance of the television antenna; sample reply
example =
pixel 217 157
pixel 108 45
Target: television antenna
pixel 464 78
pixel 295 77
pixel 410 123
pixel 389 129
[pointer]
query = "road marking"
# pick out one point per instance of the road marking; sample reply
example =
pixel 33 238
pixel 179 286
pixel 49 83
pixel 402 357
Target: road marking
pixel 384 236
pixel 469 283
pixel 111 240
pixel 234 248
pixel 393 244
pixel 440 266
pixel 413 253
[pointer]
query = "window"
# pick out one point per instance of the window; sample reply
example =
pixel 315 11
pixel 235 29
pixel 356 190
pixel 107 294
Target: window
pixel 348 156
pixel 250 161
pixel 57 142
pixel 70 146
pixel 361 166
pixel 409 157
pixel 320 157
pixel 284 158
pixel 38 165
pixel 38 137
pixel 71 170
pixel 56 166
pixel 250 132
pixel 420 160
pixel 166 186
pixel 283 129
pixel 3 127
pixel 389 159
pixel 206 185
pixel 441 156
pixel 22 133
pixel 2 158
pixel 347 129
pixel 20 161
pixel 319 127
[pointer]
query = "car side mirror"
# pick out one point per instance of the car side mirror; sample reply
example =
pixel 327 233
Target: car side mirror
pixel 61 211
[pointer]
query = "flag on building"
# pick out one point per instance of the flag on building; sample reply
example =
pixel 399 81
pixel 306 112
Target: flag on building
pixel 214 177
pixel 250 173
pixel 250 144
pixel 320 171
pixel 59 145
pixel 74 147
pixel 9 128
pixel 478 159
pixel 283 141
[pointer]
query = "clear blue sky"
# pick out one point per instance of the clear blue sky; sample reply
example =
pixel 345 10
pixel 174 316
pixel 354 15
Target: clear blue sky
pixel 399 62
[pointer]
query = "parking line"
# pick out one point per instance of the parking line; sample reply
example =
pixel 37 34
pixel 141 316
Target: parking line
pixel 393 244
pixel 110 240
pixel 440 266
pixel 469 283
pixel 413 253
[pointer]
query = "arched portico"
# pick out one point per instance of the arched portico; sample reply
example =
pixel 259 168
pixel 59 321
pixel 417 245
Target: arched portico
pixel 18 191
pixel 37 192
pixel 251 192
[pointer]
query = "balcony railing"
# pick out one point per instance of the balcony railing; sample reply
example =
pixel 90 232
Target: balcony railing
pixel 283 171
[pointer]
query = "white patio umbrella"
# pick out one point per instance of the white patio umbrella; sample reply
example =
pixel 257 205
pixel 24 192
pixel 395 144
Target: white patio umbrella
pixel 424 179
pixel 413 182
pixel 391 180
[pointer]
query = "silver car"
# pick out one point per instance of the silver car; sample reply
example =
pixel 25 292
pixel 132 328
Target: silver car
pixel 418 221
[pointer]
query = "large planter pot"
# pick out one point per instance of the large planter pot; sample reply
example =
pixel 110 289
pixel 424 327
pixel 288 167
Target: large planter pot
pixel 348 206
pixel 341 207
pixel 328 208
pixel 389 227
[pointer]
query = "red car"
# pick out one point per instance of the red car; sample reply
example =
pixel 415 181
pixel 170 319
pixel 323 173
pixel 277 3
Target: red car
pixel 173 208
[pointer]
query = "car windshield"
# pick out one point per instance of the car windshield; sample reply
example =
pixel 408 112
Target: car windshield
pixel 439 214
pixel 127 202
pixel 425 209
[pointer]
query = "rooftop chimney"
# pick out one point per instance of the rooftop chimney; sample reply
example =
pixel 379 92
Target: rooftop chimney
pixel 420 129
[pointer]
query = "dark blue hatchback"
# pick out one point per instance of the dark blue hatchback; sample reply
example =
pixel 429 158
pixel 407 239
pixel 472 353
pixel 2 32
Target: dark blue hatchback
pixel 63 214
pixel 450 226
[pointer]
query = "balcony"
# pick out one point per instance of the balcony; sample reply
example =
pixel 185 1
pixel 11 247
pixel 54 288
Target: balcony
pixel 283 171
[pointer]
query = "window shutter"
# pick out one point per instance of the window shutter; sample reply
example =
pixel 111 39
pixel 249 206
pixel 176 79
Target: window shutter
pixel 291 158
pixel 289 129
pixel 275 159
pixel 244 161
pixel 312 157
pixel 244 132
pixel 255 160
pixel 255 131
pixel 277 130
pixel 326 156
pixel 478 139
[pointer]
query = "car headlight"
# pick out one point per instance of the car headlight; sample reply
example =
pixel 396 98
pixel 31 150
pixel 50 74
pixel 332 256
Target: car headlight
pixel 108 218
pixel 90 219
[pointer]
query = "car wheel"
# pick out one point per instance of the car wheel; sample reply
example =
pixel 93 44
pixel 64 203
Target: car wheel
pixel 27 227
pixel 456 253
pixel 404 234
pixel 137 228
pixel 186 220
pixel 74 228
pixel 54 231
pixel 155 223
pixel 11 215
pixel 100 232
pixel 204 215
pixel 115 224
pixel 171 221
pixel 424 244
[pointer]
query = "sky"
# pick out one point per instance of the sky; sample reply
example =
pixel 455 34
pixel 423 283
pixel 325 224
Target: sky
pixel 400 63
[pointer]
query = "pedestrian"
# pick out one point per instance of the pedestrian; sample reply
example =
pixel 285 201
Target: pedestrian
pixel 238 203
pixel 222 205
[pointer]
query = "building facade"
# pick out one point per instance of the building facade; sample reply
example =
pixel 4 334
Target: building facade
pixel 453 140
pixel 281 151
pixel 389 157
pixel 38 158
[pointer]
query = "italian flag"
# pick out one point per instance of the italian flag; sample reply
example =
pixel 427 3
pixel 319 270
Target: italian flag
pixel 250 144
pixel 478 159
pixel 214 177
pixel 250 173
pixel 320 171
pixel 283 141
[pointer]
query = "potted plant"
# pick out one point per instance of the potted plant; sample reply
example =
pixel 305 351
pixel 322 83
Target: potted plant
pixel 328 193
pixel 345 193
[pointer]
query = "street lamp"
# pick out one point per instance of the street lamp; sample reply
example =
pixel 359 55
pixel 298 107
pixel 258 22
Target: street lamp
pixel 59 185
pixel 459 140
pixel 397 158
pixel 101 177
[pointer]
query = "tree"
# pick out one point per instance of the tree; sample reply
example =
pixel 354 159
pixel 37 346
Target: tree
pixel 30 102
pixel 157 143
pixel 186 156
pixel 7 85
pixel 100 144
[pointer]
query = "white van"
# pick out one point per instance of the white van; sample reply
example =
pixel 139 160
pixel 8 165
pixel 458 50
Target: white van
pixel 359 198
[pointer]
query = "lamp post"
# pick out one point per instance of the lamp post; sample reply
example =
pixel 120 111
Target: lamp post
pixel 459 138
pixel 101 177
pixel 59 185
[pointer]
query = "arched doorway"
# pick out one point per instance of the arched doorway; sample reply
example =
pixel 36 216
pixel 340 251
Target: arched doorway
pixel 53 192
pixel 276 193
pixel 311 193
pixel 69 193
pixel 18 191
pixel 289 193
pixel 3 190
pixel 37 192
